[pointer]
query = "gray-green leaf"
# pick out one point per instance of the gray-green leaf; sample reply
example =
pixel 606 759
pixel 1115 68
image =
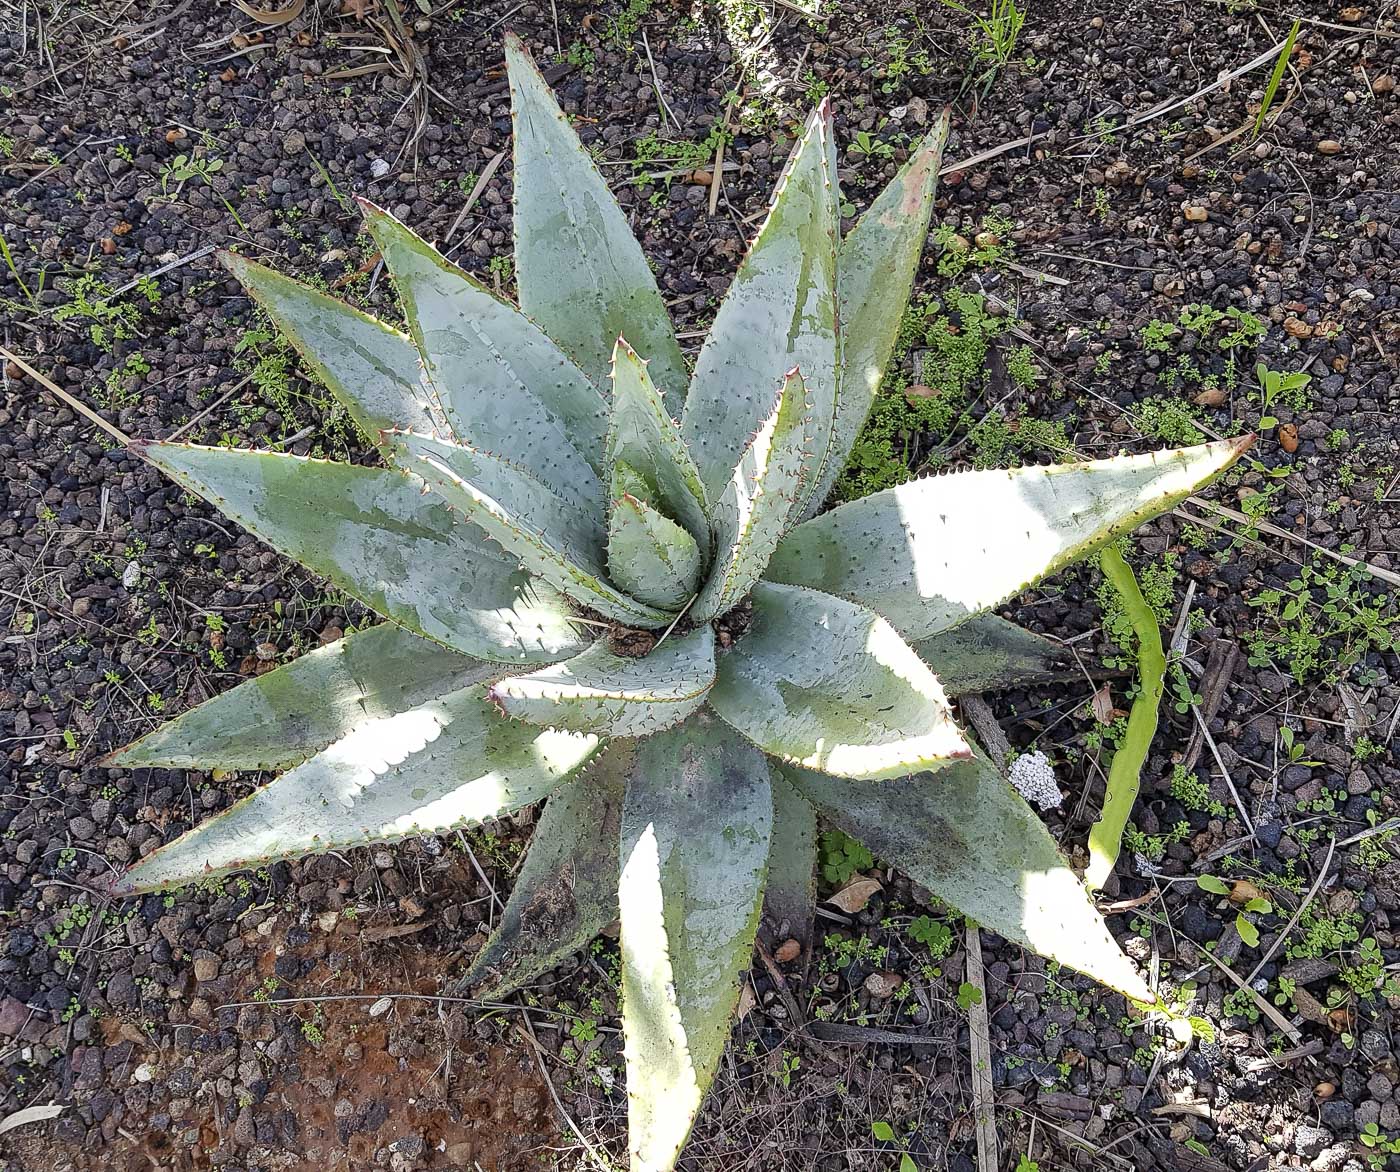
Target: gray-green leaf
pixel 283 717
pixel 651 557
pixel 613 695
pixel 566 892
pixel 968 837
pixel 790 894
pixel 558 540
pixel 757 500
pixel 821 682
pixel 449 763
pixel 372 369
pixel 504 386
pixel 986 653
pixel 377 537
pixel 875 274
pixel 581 272
pixel 646 439
pixel 929 553
pixel 779 313
pixel 696 824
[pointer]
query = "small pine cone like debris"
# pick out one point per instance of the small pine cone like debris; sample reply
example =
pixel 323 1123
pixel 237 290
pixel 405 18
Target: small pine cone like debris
pixel 1034 780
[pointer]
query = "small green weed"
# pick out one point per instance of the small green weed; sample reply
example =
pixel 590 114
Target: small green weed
pixel 883 1132
pixel 1277 387
pixel 109 321
pixel 911 422
pixel 933 934
pixel 996 33
pixel 1322 623
pixel 842 856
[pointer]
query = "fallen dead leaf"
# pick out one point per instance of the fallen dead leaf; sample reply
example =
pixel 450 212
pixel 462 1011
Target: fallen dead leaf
pixel 1288 437
pixel 1243 891
pixel 1102 704
pixel 787 952
pixel 855 895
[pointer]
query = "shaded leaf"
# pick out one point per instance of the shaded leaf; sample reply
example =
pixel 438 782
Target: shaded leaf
pixel 753 509
pixel 504 386
pixel 778 314
pixel 651 557
pixel 875 275
pixel 551 537
pixel 566 892
pixel 612 695
pixel 449 763
pixel 986 653
pixel 372 369
pixel 581 272
pixel 281 718
pixel 645 438
pixel 790 894
pixel 695 833
pixel 822 682
pixel 375 535
pixel 966 835
pixel 929 553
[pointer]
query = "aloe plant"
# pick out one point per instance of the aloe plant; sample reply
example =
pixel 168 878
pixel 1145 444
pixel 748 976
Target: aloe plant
pixel 609 587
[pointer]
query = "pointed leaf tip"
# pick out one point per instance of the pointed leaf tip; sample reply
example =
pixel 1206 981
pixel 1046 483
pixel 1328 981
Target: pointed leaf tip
pixel 581 274
pixel 968 837
pixel 930 553
pixel 780 311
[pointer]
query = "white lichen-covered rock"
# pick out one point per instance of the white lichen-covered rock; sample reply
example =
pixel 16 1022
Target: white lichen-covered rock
pixel 1034 780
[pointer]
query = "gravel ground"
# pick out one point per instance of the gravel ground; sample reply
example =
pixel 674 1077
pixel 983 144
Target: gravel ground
pixel 288 1019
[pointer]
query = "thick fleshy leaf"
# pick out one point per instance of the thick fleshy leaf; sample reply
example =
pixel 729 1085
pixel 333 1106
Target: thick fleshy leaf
pixel 449 763
pixel 779 313
pixel 377 537
pixel 646 439
pixel 504 386
pixel 756 502
pixel 790 893
pixel 651 557
pixel 929 553
pixel 696 824
pixel 283 717
pixel 580 270
pixel 372 369
pixel 566 892
pixel 986 653
pixel 968 837
pixel 875 275
pixel 821 682
pixel 613 695
pixel 553 538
